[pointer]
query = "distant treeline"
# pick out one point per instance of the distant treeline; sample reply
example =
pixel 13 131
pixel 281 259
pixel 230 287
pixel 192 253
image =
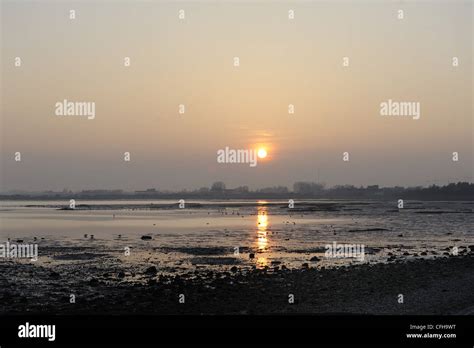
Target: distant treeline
pixel 301 189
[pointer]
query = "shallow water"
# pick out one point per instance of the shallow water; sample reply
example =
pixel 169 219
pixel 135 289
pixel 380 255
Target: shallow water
pixel 217 235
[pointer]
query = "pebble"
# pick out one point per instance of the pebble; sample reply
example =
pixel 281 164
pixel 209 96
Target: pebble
pixel 55 275
pixel 151 270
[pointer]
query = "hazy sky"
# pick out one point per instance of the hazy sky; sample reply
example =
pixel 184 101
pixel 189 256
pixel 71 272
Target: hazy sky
pixel 190 62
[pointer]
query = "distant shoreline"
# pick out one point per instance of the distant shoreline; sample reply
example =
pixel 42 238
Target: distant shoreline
pixel 177 197
pixel 303 206
pixel 461 191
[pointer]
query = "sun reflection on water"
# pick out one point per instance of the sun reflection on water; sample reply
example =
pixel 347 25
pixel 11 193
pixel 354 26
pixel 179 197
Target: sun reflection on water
pixel 262 235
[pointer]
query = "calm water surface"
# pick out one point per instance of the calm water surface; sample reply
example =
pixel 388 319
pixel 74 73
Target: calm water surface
pixel 219 235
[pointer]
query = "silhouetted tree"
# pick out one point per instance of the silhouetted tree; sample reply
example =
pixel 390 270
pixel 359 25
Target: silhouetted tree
pixel 218 186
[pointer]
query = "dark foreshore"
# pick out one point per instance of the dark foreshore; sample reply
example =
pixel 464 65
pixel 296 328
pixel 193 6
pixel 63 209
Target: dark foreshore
pixel 429 286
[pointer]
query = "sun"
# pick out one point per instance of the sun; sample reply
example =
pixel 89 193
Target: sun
pixel 262 153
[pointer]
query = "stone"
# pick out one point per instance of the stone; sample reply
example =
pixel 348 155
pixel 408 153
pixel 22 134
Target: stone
pixel 151 270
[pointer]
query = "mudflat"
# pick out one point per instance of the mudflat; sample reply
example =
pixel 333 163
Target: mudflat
pixel 442 285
